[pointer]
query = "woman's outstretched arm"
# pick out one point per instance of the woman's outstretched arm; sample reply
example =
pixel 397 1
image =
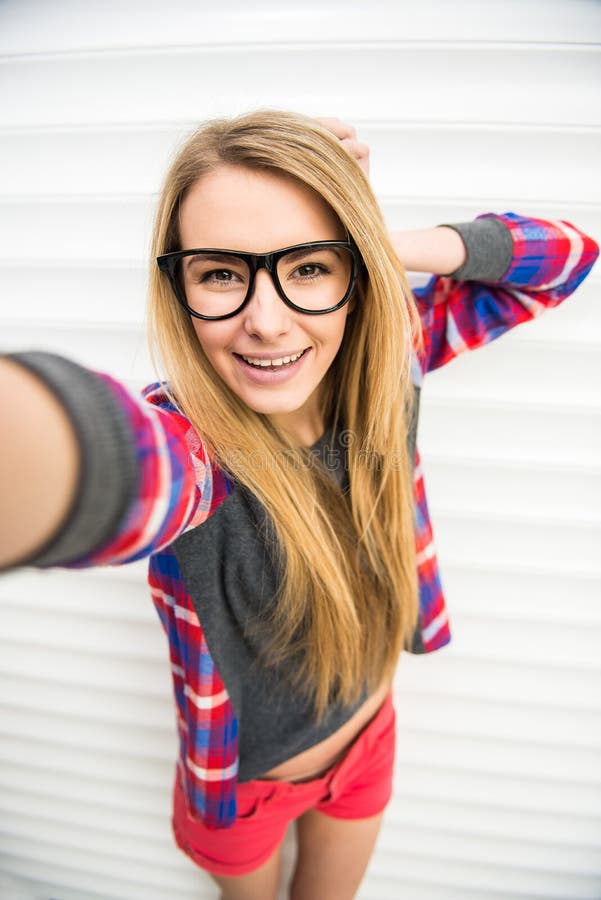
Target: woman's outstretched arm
pixel 90 473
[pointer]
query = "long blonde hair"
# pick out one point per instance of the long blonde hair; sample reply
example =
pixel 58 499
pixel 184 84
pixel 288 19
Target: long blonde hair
pixel 347 601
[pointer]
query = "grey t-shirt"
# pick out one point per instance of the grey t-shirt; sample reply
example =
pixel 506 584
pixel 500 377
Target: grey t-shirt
pixel 231 578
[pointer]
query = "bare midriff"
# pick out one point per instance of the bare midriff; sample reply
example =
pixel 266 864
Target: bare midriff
pixel 315 761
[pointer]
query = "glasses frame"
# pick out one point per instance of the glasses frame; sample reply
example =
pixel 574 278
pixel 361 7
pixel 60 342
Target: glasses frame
pixel 167 263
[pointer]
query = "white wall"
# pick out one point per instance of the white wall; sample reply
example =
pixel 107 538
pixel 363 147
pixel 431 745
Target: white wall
pixel 468 107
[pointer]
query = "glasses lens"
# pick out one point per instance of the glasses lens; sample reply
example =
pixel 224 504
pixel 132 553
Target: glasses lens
pixel 317 277
pixel 214 284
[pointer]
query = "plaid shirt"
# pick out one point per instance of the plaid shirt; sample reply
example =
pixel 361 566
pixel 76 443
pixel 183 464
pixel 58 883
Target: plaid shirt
pixel 180 487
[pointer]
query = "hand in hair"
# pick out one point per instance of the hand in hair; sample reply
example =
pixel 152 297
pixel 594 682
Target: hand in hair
pixel 348 138
pixel 437 250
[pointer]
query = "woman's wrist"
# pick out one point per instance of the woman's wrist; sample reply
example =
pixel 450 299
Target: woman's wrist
pixel 40 463
pixel 439 250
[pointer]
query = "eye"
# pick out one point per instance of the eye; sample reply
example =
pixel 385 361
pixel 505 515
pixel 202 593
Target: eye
pixel 220 278
pixel 224 275
pixel 310 270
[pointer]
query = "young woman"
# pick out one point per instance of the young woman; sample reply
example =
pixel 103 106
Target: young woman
pixel 273 480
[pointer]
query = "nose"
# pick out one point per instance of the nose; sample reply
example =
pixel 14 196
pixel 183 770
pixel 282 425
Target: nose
pixel 266 315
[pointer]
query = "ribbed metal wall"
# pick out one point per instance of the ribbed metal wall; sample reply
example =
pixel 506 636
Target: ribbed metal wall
pixel 468 107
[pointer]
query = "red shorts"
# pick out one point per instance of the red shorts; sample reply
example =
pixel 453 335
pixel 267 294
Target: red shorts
pixel 356 787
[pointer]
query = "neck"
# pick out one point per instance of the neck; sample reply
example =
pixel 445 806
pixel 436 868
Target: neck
pixel 303 426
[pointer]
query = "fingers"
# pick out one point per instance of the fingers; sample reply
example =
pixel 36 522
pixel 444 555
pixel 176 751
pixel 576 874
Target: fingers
pixel 348 138
pixel 356 148
pixel 337 127
pixel 358 151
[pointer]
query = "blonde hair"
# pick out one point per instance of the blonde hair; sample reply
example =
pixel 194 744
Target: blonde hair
pixel 347 601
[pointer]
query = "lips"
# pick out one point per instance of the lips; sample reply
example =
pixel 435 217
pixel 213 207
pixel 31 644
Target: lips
pixel 261 362
pixel 271 374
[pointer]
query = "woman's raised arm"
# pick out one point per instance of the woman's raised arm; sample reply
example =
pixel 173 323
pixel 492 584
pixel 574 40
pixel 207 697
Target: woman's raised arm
pixel 516 267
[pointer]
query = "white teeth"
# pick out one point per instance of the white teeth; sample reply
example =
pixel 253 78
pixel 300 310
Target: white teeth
pixel 272 362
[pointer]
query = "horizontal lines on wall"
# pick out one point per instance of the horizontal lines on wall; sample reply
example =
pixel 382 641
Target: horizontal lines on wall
pixel 87 743
pixel 71 28
pixel 412 159
pixel 534 86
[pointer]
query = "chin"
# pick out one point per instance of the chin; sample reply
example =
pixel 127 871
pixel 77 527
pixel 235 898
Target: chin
pixel 273 409
pixel 273 406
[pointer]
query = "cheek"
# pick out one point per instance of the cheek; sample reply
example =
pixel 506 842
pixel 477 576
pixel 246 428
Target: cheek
pixel 212 336
pixel 337 331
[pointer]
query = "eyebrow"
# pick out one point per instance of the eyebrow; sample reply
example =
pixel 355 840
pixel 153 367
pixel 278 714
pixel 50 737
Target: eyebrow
pixel 210 257
pixel 307 251
pixel 226 256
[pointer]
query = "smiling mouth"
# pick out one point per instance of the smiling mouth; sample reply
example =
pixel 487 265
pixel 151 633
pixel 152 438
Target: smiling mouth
pixel 283 362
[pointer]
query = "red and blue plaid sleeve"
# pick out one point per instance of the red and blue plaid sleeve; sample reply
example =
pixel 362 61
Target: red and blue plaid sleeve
pixel 434 620
pixel 207 725
pixel 174 484
pixel 549 261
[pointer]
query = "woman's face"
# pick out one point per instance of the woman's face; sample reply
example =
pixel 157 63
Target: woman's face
pixel 236 208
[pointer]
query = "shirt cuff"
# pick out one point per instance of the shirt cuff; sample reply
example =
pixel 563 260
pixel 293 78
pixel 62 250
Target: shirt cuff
pixel 108 476
pixel 489 249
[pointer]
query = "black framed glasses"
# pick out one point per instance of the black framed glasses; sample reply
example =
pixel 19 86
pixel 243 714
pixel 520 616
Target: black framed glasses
pixel 313 278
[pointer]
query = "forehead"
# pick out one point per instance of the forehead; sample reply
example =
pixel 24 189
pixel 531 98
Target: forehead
pixel 238 208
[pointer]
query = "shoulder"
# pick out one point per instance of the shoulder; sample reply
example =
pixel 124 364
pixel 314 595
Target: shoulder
pixel 212 480
pixel 159 395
